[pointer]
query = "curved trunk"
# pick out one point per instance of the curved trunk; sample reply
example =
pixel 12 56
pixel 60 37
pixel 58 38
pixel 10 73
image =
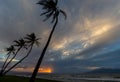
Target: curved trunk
pixel 12 59
pixel 1 72
pixel 32 79
pixel 19 61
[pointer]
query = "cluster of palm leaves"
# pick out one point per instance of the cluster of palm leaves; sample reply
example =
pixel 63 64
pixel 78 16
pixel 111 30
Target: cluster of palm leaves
pixel 26 43
pixel 51 10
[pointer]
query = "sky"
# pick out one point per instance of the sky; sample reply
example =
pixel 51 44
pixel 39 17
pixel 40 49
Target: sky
pixel 88 40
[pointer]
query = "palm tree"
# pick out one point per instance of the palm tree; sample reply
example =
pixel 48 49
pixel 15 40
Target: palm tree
pixel 10 50
pixel 31 40
pixel 51 10
pixel 20 44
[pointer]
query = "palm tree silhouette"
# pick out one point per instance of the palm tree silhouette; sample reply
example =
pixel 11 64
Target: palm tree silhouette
pixel 30 40
pixel 51 10
pixel 20 44
pixel 10 50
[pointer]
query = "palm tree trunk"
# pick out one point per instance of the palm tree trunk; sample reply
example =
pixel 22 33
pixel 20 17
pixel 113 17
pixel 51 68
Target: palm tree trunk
pixel 32 79
pixel 11 59
pixel 1 72
pixel 20 60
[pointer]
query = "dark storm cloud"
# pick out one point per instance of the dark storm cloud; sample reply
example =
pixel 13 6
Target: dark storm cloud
pixel 88 34
pixel 17 19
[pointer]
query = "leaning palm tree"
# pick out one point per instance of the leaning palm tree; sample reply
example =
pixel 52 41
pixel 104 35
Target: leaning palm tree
pixel 51 10
pixel 20 44
pixel 10 50
pixel 30 40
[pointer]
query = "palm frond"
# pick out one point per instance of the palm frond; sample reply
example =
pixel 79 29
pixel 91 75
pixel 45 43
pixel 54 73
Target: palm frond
pixel 10 49
pixel 27 38
pixel 26 47
pixel 41 2
pixel 45 19
pixel 37 43
pixel 13 52
pixel 54 18
pixel 64 13
pixel 48 15
pixel 50 6
pixel 16 45
pixel 56 2
pixel 17 42
pixel 45 12
pixel 29 35
pixel 38 39
pixel 30 41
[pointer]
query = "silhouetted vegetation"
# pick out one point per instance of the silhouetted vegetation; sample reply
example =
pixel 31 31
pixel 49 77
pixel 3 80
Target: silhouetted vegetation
pixel 10 50
pixel 51 10
pixel 26 43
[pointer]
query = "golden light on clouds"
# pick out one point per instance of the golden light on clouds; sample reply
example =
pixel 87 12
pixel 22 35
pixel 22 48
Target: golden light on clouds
pixel 20 69
pixel 60 45
pixel 91 31
pixel 101 30
pixel 83 35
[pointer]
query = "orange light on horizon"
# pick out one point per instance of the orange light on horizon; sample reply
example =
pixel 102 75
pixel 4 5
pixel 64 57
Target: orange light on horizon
pixel 31 69
pixel 45 70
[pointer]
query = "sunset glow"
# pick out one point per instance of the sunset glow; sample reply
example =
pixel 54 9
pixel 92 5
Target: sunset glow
pixel 45 70
pixel 41 70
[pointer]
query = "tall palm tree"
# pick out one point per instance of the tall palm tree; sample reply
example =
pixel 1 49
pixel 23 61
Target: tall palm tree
pixel 51 10
pixel 10 50
pixel 20 44
pixel 30 40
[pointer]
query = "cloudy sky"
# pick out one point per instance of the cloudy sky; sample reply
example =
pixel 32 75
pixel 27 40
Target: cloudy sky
pixel 89 39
